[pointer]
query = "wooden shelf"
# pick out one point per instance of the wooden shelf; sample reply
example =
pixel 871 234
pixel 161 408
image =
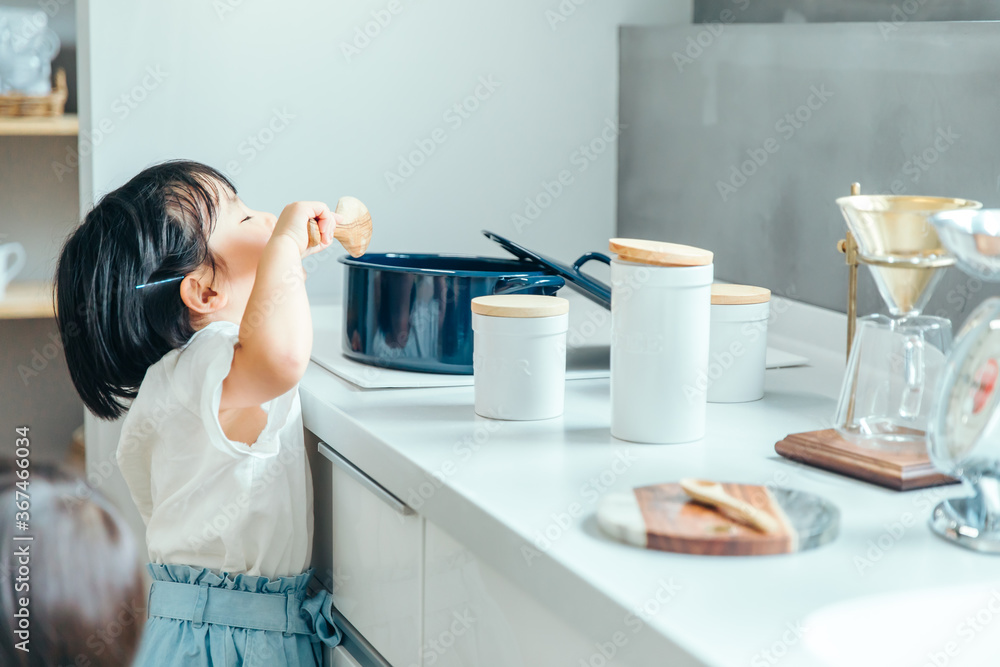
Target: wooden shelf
pixel 67 125
pixel 27 301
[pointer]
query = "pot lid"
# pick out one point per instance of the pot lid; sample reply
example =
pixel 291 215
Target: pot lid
pixel 593 289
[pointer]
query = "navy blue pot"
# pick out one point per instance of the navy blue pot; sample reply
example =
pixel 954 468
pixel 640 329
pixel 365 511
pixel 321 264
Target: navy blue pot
pixel 414 312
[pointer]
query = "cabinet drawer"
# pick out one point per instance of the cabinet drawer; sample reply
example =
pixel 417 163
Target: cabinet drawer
pixel 377 562
pixel 476 617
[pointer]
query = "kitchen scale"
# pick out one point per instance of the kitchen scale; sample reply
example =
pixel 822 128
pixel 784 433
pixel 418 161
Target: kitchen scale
pixel 964 429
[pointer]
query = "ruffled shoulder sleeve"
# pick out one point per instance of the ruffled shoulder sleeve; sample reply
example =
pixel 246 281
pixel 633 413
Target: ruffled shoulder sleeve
pixel 197 376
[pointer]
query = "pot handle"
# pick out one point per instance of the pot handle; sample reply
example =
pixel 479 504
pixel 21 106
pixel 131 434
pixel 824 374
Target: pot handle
pixel 548 284
pixel 586 257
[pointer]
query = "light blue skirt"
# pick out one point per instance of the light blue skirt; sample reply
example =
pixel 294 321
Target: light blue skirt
pixel 200 618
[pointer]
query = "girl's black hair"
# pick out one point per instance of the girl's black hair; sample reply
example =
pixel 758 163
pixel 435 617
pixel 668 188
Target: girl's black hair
pixel 154 227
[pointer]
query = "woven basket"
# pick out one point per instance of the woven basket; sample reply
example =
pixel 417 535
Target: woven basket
pixel 53 104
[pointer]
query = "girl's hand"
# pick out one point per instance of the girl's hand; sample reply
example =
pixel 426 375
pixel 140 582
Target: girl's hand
pixel 294 223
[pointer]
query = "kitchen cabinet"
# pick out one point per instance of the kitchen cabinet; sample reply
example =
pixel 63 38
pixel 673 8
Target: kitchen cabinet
pixel 415 597
pixel 473 615
pixel 375 565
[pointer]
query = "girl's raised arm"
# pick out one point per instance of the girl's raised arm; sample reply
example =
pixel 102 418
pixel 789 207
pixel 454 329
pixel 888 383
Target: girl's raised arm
pixel 275 338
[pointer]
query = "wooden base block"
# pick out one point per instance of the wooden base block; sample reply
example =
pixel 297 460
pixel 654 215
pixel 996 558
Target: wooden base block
pixel 826 449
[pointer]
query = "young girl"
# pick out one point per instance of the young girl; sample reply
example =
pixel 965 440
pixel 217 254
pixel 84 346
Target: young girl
pixel 174 294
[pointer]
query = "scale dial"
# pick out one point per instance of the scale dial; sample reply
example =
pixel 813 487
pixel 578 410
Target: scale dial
pixel 970 391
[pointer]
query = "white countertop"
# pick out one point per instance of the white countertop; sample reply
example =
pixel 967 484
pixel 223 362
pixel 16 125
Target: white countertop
pixel 497 486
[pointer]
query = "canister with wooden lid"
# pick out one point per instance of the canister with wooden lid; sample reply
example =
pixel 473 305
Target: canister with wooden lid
pixel 738 343
pixel 519 355
pixel 660 314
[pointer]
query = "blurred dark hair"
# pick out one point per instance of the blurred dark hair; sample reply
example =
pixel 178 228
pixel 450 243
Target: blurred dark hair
pixel 154 227
pixel 85 589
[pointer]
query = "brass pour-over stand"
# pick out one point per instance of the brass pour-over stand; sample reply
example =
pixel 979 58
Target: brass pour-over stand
pixel 893 361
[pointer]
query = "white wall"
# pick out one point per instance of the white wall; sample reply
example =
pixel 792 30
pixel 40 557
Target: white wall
pixel 227 71
pixel 222 68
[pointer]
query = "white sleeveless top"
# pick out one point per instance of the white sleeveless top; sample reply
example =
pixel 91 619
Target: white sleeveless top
pixel 209 501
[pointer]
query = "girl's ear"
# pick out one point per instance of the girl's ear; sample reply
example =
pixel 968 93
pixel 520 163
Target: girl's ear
pixel 198 295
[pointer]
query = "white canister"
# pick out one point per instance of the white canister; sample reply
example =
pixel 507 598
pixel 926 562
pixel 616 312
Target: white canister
pixel 519 355
pixel 737 353
pixel 660 311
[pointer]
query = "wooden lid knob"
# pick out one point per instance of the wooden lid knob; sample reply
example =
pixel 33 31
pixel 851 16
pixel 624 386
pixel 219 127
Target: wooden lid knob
pixel 732 295
pixel 520 305
pixel 659 253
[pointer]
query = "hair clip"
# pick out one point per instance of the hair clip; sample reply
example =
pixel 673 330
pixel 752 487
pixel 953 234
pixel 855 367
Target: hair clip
pixel 160 282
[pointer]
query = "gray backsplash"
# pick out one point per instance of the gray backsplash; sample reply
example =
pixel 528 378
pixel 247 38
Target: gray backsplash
pixel 909 108
pixel 820 11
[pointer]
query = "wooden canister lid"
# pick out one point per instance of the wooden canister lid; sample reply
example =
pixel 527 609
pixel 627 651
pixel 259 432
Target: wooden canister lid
pixel 520 305
pixel 732 295
pixel 659 253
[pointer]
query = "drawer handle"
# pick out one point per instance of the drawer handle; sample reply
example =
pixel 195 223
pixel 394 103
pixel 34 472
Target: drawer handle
pixel 356 645
pixel 359 476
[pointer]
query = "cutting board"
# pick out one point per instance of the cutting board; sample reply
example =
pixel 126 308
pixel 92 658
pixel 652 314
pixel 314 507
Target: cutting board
pixel 663 517
pixel 825 449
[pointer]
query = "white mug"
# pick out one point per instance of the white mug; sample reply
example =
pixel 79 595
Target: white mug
pixel 7 269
